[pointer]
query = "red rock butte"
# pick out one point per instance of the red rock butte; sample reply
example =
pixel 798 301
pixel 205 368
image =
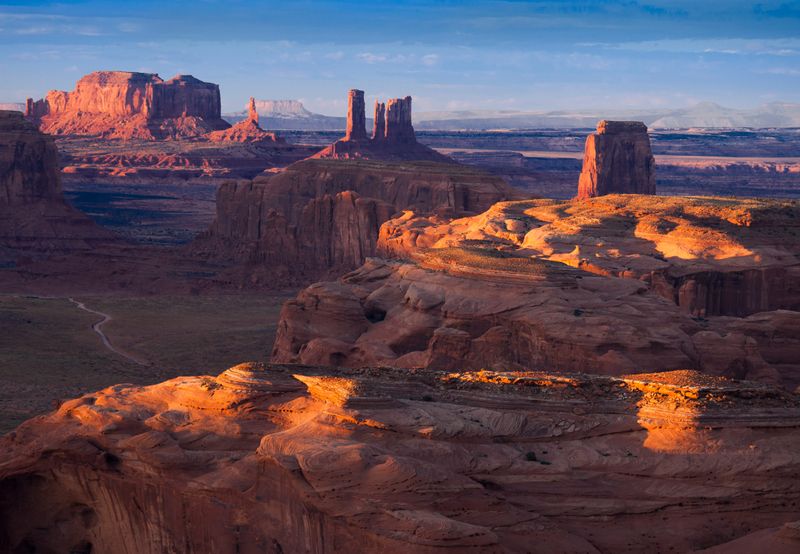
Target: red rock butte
pixel 393 136
pixel 121 104
pixel 617 160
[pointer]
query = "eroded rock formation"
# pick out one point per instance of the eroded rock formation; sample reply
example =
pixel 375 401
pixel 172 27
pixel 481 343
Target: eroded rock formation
pixel 318 217
pixel 598 286
pixel 617 160
pixel 33 215
pixel 120 104
pixel 303 459
pixel 247 130
pixel 393 135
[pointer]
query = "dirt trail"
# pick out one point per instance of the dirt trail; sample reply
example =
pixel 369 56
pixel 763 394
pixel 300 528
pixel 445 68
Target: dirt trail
pixel 97 328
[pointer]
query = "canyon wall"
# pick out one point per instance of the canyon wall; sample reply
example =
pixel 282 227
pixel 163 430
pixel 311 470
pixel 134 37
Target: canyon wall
pixel 120 104
pixel 319 217
pixel 617 159
pixel 285 458
pixel 34 218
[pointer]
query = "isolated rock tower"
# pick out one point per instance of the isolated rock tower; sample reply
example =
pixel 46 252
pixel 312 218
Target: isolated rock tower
pixel 356 116
pixel 617 160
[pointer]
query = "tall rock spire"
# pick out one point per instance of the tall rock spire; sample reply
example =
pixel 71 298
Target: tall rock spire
pixel 252 114
pixel 379 125
pixel 356 116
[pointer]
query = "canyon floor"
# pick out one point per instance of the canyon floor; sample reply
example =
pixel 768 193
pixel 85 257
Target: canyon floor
pixel 49 352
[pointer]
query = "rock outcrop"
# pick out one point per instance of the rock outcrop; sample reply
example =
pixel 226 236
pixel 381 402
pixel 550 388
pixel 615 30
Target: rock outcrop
pixel 392 138
pixel 33 215
pixel 303 459
pixel 599 286
pixel 319 217
pixel 247 130
pixel 617 160
pixel 120 104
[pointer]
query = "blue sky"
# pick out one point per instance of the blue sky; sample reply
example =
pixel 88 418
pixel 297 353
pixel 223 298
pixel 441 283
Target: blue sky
pixel 518 55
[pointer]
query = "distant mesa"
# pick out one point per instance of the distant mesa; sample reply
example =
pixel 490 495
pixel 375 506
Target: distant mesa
pixel 12 106
pixel 247 130
pixel 289 115
pixel 127 105
pixel 393 136
pixel 617 160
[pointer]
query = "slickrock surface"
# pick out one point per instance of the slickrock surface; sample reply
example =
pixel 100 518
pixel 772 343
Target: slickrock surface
pixel 609 285
pixel 305 459
pixel 319 217
pixel 393 135
pixel 121 104
pixel 617 160
pixel 33 215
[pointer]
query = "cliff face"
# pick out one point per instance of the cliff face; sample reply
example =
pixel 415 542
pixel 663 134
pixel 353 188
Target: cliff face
pixel 304 459
pixel 121 104
pixel 320 216
pixel 29 169
pixel 620 283
pixel 33 215
pixel 617 160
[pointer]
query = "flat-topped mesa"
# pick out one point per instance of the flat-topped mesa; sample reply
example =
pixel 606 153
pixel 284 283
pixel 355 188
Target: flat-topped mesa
pixel 398 121
pixel 122 104
pixel 356 116
pixel 617 160
pixel 379 122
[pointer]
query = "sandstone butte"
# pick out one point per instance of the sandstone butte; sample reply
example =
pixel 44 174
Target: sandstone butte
pixel 393 136
pixel 126 105
pixel 284 458
pixel 34 218
pixel 321 216
pixel 617 159
pixel 611 285
pixel 247 130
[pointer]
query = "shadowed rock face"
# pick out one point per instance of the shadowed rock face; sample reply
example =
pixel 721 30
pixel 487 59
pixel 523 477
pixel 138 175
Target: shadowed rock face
pixel 617 160
pixel 602 285
pixel 121 104
pixel 321 216
pixel 33 215
pixel 304 459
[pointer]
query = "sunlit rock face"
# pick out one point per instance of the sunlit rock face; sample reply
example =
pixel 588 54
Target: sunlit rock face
pixel 307 459
pixel 617 160
pixel 33 215
pixel 393 136
pixel 321 217
pixel 614 284
pixel 121 104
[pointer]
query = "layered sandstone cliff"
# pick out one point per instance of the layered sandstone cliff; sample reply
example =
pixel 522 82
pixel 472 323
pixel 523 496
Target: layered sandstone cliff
pixel 617 160
pixel 33 215
pixel 393 136
pixel 304 459
pixel 120 104
pixel 610 285
pixel 318 217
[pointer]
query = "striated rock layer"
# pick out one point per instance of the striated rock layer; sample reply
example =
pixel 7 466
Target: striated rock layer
pixel 303 459
pixel 33 215
pixel 610 285
pixel 321 216
pixel 121 104
pixel 617 160
pixel 393 135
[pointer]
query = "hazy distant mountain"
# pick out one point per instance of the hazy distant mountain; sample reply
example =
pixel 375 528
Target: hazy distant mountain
pixel 289 115
pixel 705 114
pixel 292 115
pixel 13 106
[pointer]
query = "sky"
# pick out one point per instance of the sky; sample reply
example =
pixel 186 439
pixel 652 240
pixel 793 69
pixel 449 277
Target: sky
pixel 496 55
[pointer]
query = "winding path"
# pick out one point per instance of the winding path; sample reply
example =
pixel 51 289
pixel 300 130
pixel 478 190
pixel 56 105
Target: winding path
pixel 97 328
